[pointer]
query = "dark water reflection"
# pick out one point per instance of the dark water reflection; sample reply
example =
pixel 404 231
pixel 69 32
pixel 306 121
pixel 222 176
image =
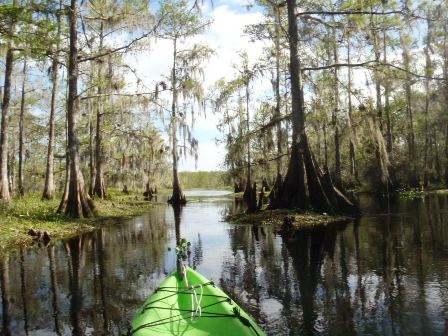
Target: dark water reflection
pixel 385 274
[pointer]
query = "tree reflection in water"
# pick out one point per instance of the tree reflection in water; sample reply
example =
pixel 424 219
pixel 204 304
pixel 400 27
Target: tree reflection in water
pixel 54 289
pixel 23 289
pixel 382 274
pixel 6 296
pixel 365 276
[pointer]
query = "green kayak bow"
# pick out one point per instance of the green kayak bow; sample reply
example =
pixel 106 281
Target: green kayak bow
pixel 190 305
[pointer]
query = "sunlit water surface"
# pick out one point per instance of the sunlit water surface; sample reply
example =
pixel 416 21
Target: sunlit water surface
pixel 384 274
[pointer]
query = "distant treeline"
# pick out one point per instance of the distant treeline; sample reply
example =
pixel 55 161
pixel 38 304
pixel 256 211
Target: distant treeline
pixel 205 180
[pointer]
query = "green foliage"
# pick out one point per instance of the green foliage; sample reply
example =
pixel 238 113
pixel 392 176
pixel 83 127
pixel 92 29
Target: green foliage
pixel 204 180
pixel 179 20
pixel 29 27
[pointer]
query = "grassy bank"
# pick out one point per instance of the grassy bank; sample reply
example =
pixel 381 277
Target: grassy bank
pixel 205 180
pixel 276 218
pixel 30 212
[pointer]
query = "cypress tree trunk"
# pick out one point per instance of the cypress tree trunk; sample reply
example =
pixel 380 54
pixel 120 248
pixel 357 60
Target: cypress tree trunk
pixel 426 169
pixel 277 111
pixel 317 197
pixel 4 183
pixel 383 185
pixel 49 172
pixel 412 155
pixel 248 191
pixel 11 167
pixel 99 189
pixel 446 154
pixel 413 178
pixel 303 182
pixel 445 86
pixel 324 131
pixel 21 117
pixel 353 170
pixel 386 100
pixel 435 143
pixel 76 202
pixel 49 188
pixel 293 193
pixel 252 201
pixel 91 151
pixel 277 91
pixel 4 138
pixel 177 197
pixel 337 152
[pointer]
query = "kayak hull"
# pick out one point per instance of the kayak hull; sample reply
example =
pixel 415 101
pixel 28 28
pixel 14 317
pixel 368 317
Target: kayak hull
pixel 196 309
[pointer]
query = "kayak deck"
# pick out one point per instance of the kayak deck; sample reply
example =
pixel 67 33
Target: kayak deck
pixel 198 309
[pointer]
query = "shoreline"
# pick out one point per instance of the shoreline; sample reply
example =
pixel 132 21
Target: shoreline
pixel 30 213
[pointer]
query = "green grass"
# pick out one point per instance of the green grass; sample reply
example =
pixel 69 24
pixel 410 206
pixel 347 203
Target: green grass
pixel 203 180
pixel 275 217
pixel 30 212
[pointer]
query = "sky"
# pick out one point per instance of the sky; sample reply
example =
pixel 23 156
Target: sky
pixel 227 38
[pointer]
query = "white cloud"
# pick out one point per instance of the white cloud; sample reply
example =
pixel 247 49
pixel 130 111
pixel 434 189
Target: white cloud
pixel 211 156
pixel 227 38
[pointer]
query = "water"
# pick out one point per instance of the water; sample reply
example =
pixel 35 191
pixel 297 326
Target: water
pixel 385 274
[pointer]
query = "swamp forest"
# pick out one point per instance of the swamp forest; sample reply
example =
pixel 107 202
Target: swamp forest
pixel 300 147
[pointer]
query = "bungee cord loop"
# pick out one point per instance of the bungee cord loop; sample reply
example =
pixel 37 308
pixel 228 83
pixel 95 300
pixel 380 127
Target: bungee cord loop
pixel 196 309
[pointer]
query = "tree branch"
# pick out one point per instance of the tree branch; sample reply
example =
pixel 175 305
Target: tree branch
pixel 127 46
pixel 349 13
pixel 137 94
pixel 354 65
pixel 360 12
